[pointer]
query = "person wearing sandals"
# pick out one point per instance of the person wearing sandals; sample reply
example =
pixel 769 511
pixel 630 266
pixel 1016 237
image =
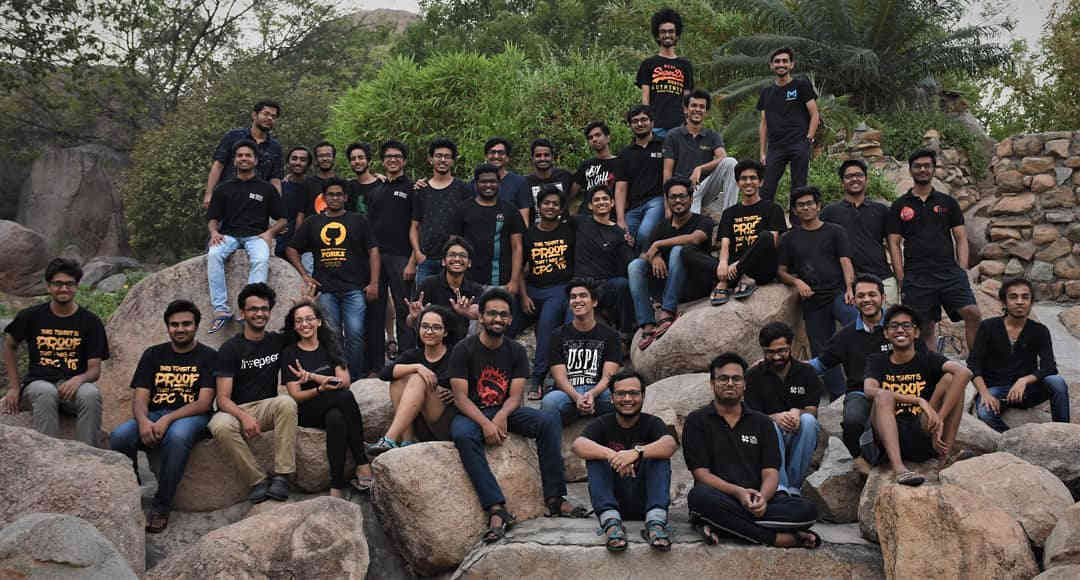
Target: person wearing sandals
pixel 602 250
pixel 671 264
pixel 628 457
pixel 747 257
pixel 734 455
pixel 419 386
pixel 914 417
pixel 317 378
pixel 487 375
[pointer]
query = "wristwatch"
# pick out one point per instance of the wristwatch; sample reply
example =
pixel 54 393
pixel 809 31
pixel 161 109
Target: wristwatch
pixel 640 451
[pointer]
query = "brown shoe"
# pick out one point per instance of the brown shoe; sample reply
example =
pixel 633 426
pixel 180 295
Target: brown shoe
pixel 157 522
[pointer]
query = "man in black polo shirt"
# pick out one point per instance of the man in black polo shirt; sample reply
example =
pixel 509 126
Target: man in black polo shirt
pixel 639 204
pixel 601 252
pixel 864 221
pixel 494 228
pixel 749 238
pixel 734 455
pixel 449 288
pixel 603 167
pixel 665 78
pixel 693 152
pixel 542 155
pixel 267 150
pixel 789 119
pixel 788 391
pixel 931 274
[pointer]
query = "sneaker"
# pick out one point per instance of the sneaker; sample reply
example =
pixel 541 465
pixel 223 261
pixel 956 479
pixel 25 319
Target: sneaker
pixel 381 446
pixel 258 491
pixel 279 488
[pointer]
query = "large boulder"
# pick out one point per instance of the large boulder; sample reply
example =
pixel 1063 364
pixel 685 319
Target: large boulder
pixel 41 474
pixel 25 419
pixel 1070 319
pixel 673 398
pixel 1063 545
pixel 317 538
pixel 373 398
pixel 1071 572
pixel 72 195
pixel 944 531
pixel 1055 446
pixel 835 486
pixel 1027 492
pixel 702 331
pixel 103 267
pixel 880 479
pixel 137 324
pixel 428 505
pixel 22 264
pixel 976 436
pixel 59 546
pixel 573 466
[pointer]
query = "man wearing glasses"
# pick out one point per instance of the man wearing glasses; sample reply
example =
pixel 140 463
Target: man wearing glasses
pixel 639 200
pixel 864 221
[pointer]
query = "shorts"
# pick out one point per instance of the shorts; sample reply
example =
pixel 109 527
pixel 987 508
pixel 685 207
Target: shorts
pixel 437 431
pixel 916 444
pixel 927 294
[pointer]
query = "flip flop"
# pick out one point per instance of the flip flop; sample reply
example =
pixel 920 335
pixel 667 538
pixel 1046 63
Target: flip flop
pixel 362 484
pixel 707 533
pixel 647 338
pixel 220 320
pixel 910 478
pixel 720 296
pixel 744 291
pixel 817 540
pixel 662 326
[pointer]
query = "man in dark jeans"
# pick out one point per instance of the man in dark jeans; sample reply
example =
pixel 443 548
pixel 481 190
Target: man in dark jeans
pixel 789 119
pixel 639 203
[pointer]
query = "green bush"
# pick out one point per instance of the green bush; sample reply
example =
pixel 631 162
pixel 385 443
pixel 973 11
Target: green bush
pixel 823 174
pixel 902 134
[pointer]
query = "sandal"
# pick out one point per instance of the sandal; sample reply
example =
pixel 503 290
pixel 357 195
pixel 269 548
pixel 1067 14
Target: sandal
pixel 220 320
pixel 720 296
pixel 362 484
pixel 658 535
pixel 662 326
pixel 744 291
pixel 647 338
pixel 707 533
pixel 391 349
pixel 496 533
pixel 381 446
pixel 157 522
pixel 555 505
pixel 616 539
pixel 802 543
pixel 910 478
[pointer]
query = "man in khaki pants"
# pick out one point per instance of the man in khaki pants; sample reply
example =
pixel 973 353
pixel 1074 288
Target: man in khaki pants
pixel 248 400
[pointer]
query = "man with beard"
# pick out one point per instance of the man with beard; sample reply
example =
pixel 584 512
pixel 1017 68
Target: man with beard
pixel 487 375
pixel 542 154
pixel 296 194
pixel 693 152
pixel 325 154
pixel 494 228
pixel 449 288
pixel 665 78
pixel 673 260
pixel 628 456
pixel 789 119
pixel 601 253
pixel 65 346
pixel 639 203
pixel 434 204
pixel 914 418
pixel 931 274
pixel 267 150
pixel 788 392
pixel 864 221
pixel 512 186
pixel 174 386
pixel 603 167
pixel 1013 361
pixel 734 455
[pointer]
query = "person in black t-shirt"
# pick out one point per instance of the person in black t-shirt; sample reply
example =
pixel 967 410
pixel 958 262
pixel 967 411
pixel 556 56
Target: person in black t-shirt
pixel 815 259
pixel 237 217
pixel 295 196
pixel 267 150
pixel 174 386
pixel 788 392
pixel 494 228
pixel 749 238
pixel 603 167
pixel 248 401
pixel 789 120
pixel 665 78
pixel 65 344
pixel 914 418
pixel 314 373
pixel 542 155
pixel 930 273
pixel 347 271
pixel 512 186
pixel 450 288
pixel 734 455
pixel 435 202
pixel 602 251
pixel 865 222
pixel 325 153
pixel 639 200
pixel 628 456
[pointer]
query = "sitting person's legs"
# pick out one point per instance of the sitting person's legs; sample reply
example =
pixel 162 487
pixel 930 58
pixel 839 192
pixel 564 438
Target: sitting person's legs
pixel 226 430
pixel 558 403
pixel 44 402
pixel 642 497
pixel 468 437
pixel 547 430
pixel 215 273
pixel 175 449
pixel 784 515
pixel 258 258
pixel 856 416
pixel 337 412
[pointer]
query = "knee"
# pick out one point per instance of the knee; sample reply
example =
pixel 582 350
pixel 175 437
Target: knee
pixel 223 424
pixel 284 404
pixel 676 253
pixel 728 163
pixel 636 267
pixel 804 510
pixel 88 395
pixel 808 423
pixel 1057 384
pixel 335 420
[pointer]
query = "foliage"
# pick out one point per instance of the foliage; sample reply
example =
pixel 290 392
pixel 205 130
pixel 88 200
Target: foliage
pixel 823 174
pixel 741 133
pixel 902 134
pixel 39 36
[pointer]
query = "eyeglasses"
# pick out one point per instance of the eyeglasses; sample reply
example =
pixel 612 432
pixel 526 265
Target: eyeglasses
pixel 678 196
pixel 805 204
pixel 431 328
pixel 462 255
pixel 641 121
pixel 497 152
pixel 306 320
pixel 397 156
pixel 626 395
pixel 859 175
pixel 63 284
pixel 442 156
pixel 777 351
pixel 257 309
pixel 922 166
pixel 733 379
pixel 497 313
pixel 899 325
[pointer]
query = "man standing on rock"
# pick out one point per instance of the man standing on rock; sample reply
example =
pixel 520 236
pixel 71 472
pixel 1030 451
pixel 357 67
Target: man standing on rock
pixel 1013 361
pixel 789 119
pixel 66 344
pixel 931 273
pixel 693 152
pixel 174 386
pixel 487 375
pixel 665 78
pixel 248 401
pixel 628 457
pixel 267 150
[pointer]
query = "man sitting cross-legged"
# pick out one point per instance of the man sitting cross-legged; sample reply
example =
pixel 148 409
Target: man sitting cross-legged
pixel 914 419
pixel 628 456
pixel 734 456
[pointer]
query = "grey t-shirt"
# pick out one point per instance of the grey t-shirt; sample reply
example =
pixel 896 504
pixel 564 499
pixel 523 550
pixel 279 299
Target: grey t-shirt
pixel 689 151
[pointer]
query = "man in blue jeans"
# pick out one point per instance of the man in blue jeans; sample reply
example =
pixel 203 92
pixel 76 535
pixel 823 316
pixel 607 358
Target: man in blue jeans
pixel 174 385
pixel 628 456
pixel 239 211
pixel 639 199
pixel 487 374
pixel 1013 363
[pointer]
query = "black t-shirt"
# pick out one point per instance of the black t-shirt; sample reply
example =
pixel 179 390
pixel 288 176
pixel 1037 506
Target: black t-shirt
pixel 584 353
pixel 244 207
pixel 253 366
pixel 696 223
pixel 668 80
pixel 865 227
pixel 605 430
pixel 770 393
pixel 58 346
pixel 787 119
pixel 413 356
pixel 437 291
pixel 600 251
pixel 359 195
pixel 741 225
pixel 340 245
pixel 927 231
pixel 174 378
pixel 598 171
pixel 314 361
pixel 643 170
pixel 294 201
pixel 488 229
pixel 814 256
pixel 389 209
pixel 735 454
pixel 548 256
pixel 488 371
pixel 850 347
pixel 269 163
pixel 560 178
pixel 434 208
pixel 1001 362
pixel 917 377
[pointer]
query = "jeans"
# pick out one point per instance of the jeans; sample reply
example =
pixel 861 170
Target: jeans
pixel 643 219
pixel 345 312
pixel 856 418
pixel 724 512
pixel 1052 387
pixel 796 449
pixel 821 324
pixel 721 180
pixel 660 132
pixel 258 256
pixel 469 439
pixel 46 404
pixel 549 310
pixel 174 450
pixel 644 496
pixel 778 158
pixel 391 286
pixel 641 278
pixel 559 404
pixel 427 268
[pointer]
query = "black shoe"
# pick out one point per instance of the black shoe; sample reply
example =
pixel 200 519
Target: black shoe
pixel 258 491
pixel 279 488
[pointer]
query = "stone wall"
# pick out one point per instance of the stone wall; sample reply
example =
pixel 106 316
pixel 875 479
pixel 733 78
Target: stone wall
pixel 1033 229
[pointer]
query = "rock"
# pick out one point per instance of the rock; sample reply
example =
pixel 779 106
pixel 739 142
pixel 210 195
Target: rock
pixel 137 323
pixel 1041 272
pixel 1033 165
pixel 1072 289
pixel 1010 181
pixel 102 267
pixel 948 532
pixel 1014 204
pixel 428 505
pixel 113 283
pixel 673 398
pixel 1014 268
pixel 25 419
pixel 1044 234
pixel 1026 145
pixel 976 436
pixel 1063 545
pixel 22 264
pixel 1004 148
pixel 1067 268
pixel 72 195
pixel 1060 573
pixel 1070 319
pixel 41 474
pixel 991 268
pixel 1026 492
pixel 880 479
pixel 317 538
pixel 1058 217
pixel 1058 197
pixel 835 486
pixel 831 416
pixel 1062 174
pixel 373 398
pixel 1022 250
pixel 1061 247
pixel 1073 232
pixel 1043 182
pixel 1059 147
pixel 1054 446
pixel 998 234
pixel 702 331
pixel 59 546
pixel 573 466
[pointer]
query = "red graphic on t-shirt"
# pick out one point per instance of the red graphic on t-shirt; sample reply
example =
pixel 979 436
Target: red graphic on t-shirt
pixel 939 209
pixel 667 78
pixel 491 387
pixel 907 214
